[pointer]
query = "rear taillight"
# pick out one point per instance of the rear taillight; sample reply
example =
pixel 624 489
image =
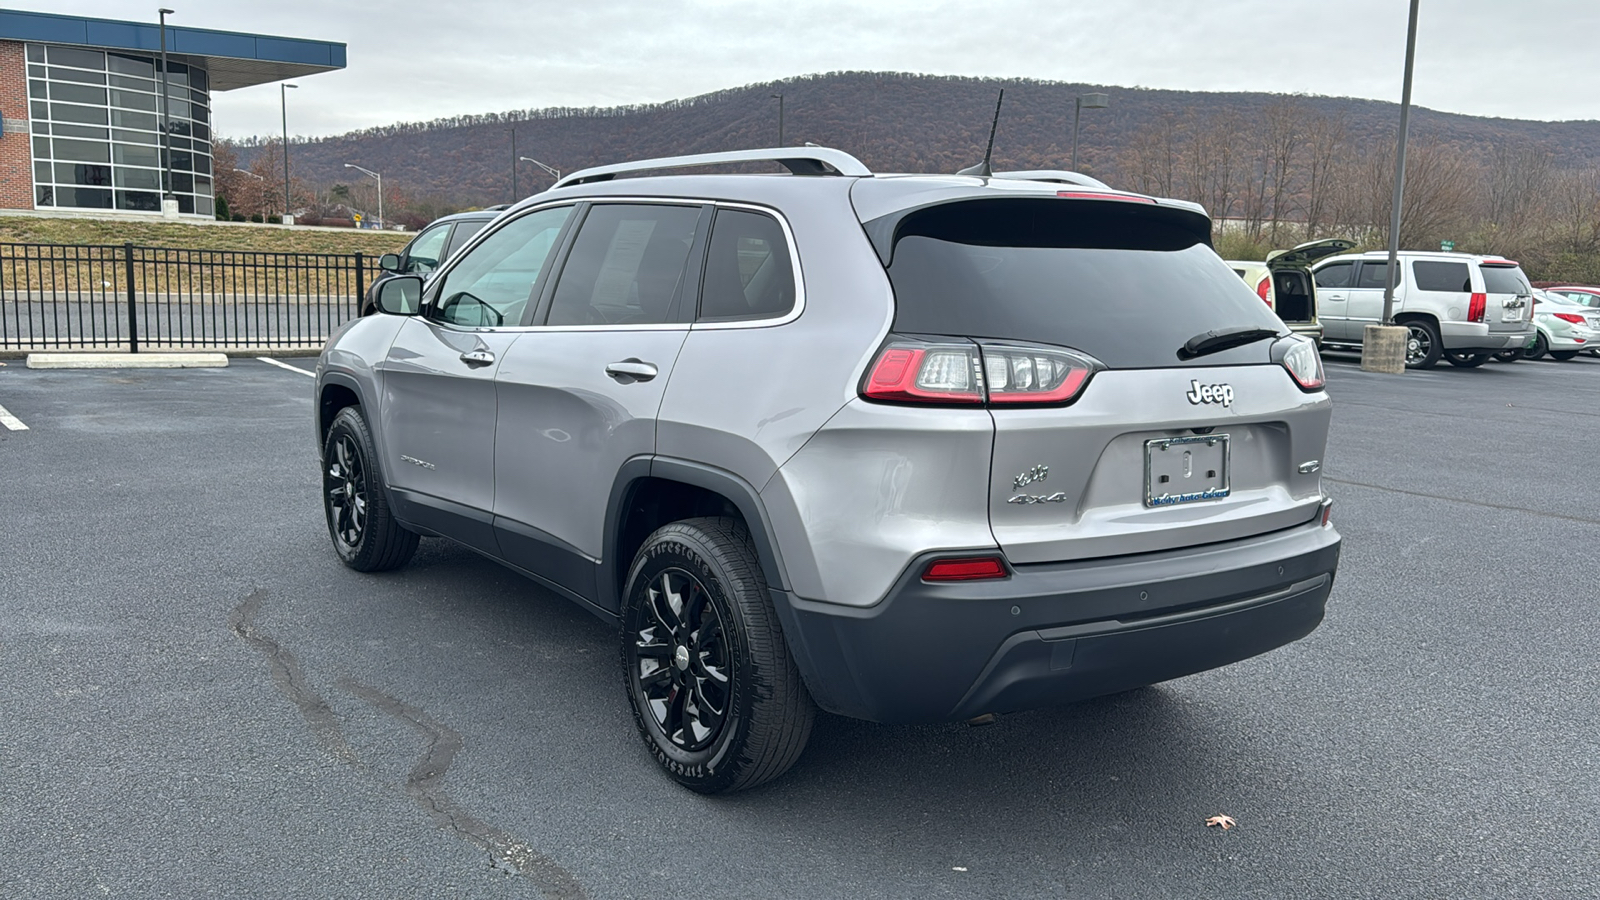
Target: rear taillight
pixel 1304 365
pixel 1327 510
pixel 1263 288
pixel 1569 317
pixel 926 374
pixel 1477 307
pixel 971 374
pixel 972 568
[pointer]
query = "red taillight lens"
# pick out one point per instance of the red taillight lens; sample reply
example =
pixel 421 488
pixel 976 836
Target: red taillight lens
pixel 1017 374
pixel 934 373
pixel 1327 510
pixel 1304 365
pixel 1476 308
pixel 969 374
pixel 1263 288
pixel 974 568
pixel 1574 318
pixel 1096 195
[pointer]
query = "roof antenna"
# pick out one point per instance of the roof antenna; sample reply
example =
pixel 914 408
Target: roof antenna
pixel 982 170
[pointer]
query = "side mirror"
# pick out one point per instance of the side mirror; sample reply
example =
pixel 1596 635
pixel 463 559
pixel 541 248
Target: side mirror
pixel 400 295
pixel 389 262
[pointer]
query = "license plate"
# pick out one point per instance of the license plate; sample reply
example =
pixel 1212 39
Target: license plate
pixel 1185 469
pixel 1511 315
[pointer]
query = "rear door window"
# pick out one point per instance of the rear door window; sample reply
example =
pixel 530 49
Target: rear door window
pixel 1126 284
pixel 1453 277
pixel 1335 275
pixel 1373 275
pixel 627 265
pixel 463 233
pixel 748 272
pixel 1505 280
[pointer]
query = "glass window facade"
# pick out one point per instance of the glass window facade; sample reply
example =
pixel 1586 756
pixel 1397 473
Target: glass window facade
pixel 96 119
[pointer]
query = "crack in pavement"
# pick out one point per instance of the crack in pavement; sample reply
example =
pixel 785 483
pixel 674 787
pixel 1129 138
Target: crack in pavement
pixel 1483 503
pixel 423 783
pixel 291 679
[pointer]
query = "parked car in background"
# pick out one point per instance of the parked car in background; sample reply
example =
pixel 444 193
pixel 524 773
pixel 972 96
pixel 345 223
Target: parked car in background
pixel 1284 281
pixel 1565 328
pixel 1586 294
pixel 905 448
pixel 1459 307
pixel 430 248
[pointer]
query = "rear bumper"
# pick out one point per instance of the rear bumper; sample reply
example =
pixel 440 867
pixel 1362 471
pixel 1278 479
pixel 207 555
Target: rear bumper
pixel 1060 632
pixel 1467 336
pixel 1312 330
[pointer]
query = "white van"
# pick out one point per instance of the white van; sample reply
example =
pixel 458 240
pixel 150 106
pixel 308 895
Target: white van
pixel 1457 306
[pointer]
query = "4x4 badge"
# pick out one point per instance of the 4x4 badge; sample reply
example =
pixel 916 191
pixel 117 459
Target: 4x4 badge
pixel 1209 393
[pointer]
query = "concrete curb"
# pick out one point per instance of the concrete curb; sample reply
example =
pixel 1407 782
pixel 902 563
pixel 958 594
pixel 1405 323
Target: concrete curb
pixel 126 360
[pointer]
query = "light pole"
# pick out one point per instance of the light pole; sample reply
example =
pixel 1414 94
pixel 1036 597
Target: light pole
pixel 263 192
pixel 554 173
pixel 380 189
pixel 513 164
pixel 283 96
pixel 1083 102
pixel 779 98
pixel 1385 346
pixel 166 117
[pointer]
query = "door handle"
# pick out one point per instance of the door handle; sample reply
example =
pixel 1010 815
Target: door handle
pixel 477 357
pixel 632 369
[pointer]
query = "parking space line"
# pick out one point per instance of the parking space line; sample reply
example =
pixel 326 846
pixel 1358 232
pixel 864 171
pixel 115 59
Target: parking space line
pixel 11 422
pixel 272 362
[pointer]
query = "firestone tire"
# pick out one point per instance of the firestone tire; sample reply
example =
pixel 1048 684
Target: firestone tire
pixel 714 691
pixel 355 499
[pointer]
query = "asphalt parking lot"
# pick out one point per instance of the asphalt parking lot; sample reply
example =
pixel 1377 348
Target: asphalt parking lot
pixel 200 701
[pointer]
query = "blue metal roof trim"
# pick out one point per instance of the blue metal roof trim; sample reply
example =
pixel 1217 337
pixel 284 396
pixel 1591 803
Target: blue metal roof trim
pixel 18 25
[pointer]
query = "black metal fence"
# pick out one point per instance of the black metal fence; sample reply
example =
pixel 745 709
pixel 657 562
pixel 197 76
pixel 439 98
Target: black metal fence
pixel 77 297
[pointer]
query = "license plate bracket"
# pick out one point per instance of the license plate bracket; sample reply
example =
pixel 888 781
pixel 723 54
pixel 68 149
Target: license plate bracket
pixel 1186 469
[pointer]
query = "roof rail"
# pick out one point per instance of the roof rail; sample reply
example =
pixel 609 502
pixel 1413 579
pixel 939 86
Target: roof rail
pixel 798 160
pixel 1059 175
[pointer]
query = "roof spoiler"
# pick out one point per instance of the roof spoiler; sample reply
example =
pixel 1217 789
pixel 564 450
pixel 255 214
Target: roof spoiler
pixel 1060 176
pixel 798 160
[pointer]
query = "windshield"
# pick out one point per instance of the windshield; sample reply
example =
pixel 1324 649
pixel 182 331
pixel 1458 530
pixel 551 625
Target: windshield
pixel 1127 286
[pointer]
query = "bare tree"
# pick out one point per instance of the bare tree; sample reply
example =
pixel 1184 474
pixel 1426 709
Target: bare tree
pixel 1325 146
pixel 1284 125
pixel 1439 191
pixel 1152 160
pixel 1575 209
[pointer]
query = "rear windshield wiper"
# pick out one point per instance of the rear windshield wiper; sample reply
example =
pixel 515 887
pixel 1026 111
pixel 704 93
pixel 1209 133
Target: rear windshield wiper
pixel 1222 339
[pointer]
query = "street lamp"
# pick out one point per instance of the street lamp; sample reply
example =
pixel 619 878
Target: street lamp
pixel 1084 101
pixel 554 173
pixel 283 96
pixel 779 98
pixel 380 189
pixel 1384 345
pixel 263 191
pixel 166 115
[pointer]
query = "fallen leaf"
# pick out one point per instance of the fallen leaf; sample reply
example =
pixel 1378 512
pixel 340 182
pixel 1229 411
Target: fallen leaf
pixel 1225 821
pixel 958 868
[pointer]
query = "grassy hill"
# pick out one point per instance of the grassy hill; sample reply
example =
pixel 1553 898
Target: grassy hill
pixel 38 230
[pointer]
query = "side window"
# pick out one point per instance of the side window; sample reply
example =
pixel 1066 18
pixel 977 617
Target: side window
pixel 1372 275
pixel 463 233
pixel 492 284
pixel 1335 275
pixel 425 252
pixel 1442 276
pixel 748 271
pixel 626 266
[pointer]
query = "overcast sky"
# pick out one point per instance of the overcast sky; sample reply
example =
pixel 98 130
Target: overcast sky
pixel 411 60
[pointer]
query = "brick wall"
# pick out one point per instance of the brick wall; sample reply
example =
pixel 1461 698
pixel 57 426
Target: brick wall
pixel 16 150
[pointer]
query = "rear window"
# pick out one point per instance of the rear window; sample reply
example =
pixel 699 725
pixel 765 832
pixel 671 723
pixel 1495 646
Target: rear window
pixel 1373 275
pixel 1442 276
pixel 1505 280
pixel 1128 286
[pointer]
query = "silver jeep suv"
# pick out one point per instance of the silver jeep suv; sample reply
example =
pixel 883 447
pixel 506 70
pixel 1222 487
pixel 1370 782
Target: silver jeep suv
pixel 912 448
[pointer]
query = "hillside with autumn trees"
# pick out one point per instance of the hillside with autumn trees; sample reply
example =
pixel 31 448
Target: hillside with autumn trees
pixel 1277 167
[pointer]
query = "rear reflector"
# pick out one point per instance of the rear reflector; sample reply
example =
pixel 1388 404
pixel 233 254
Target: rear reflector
pixel 1476 307
pixel 1327 510
pixel 1096 195
pixel 975 568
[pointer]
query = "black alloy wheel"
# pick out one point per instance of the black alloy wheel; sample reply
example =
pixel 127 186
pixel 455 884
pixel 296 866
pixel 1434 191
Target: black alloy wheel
pixel 714 690
pixel 355 499
pixel 1538 348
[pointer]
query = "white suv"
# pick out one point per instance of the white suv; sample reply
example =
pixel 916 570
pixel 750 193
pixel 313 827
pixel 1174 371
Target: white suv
pixel 1458 306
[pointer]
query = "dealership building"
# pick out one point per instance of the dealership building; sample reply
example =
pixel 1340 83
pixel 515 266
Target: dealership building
pixel 83 129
